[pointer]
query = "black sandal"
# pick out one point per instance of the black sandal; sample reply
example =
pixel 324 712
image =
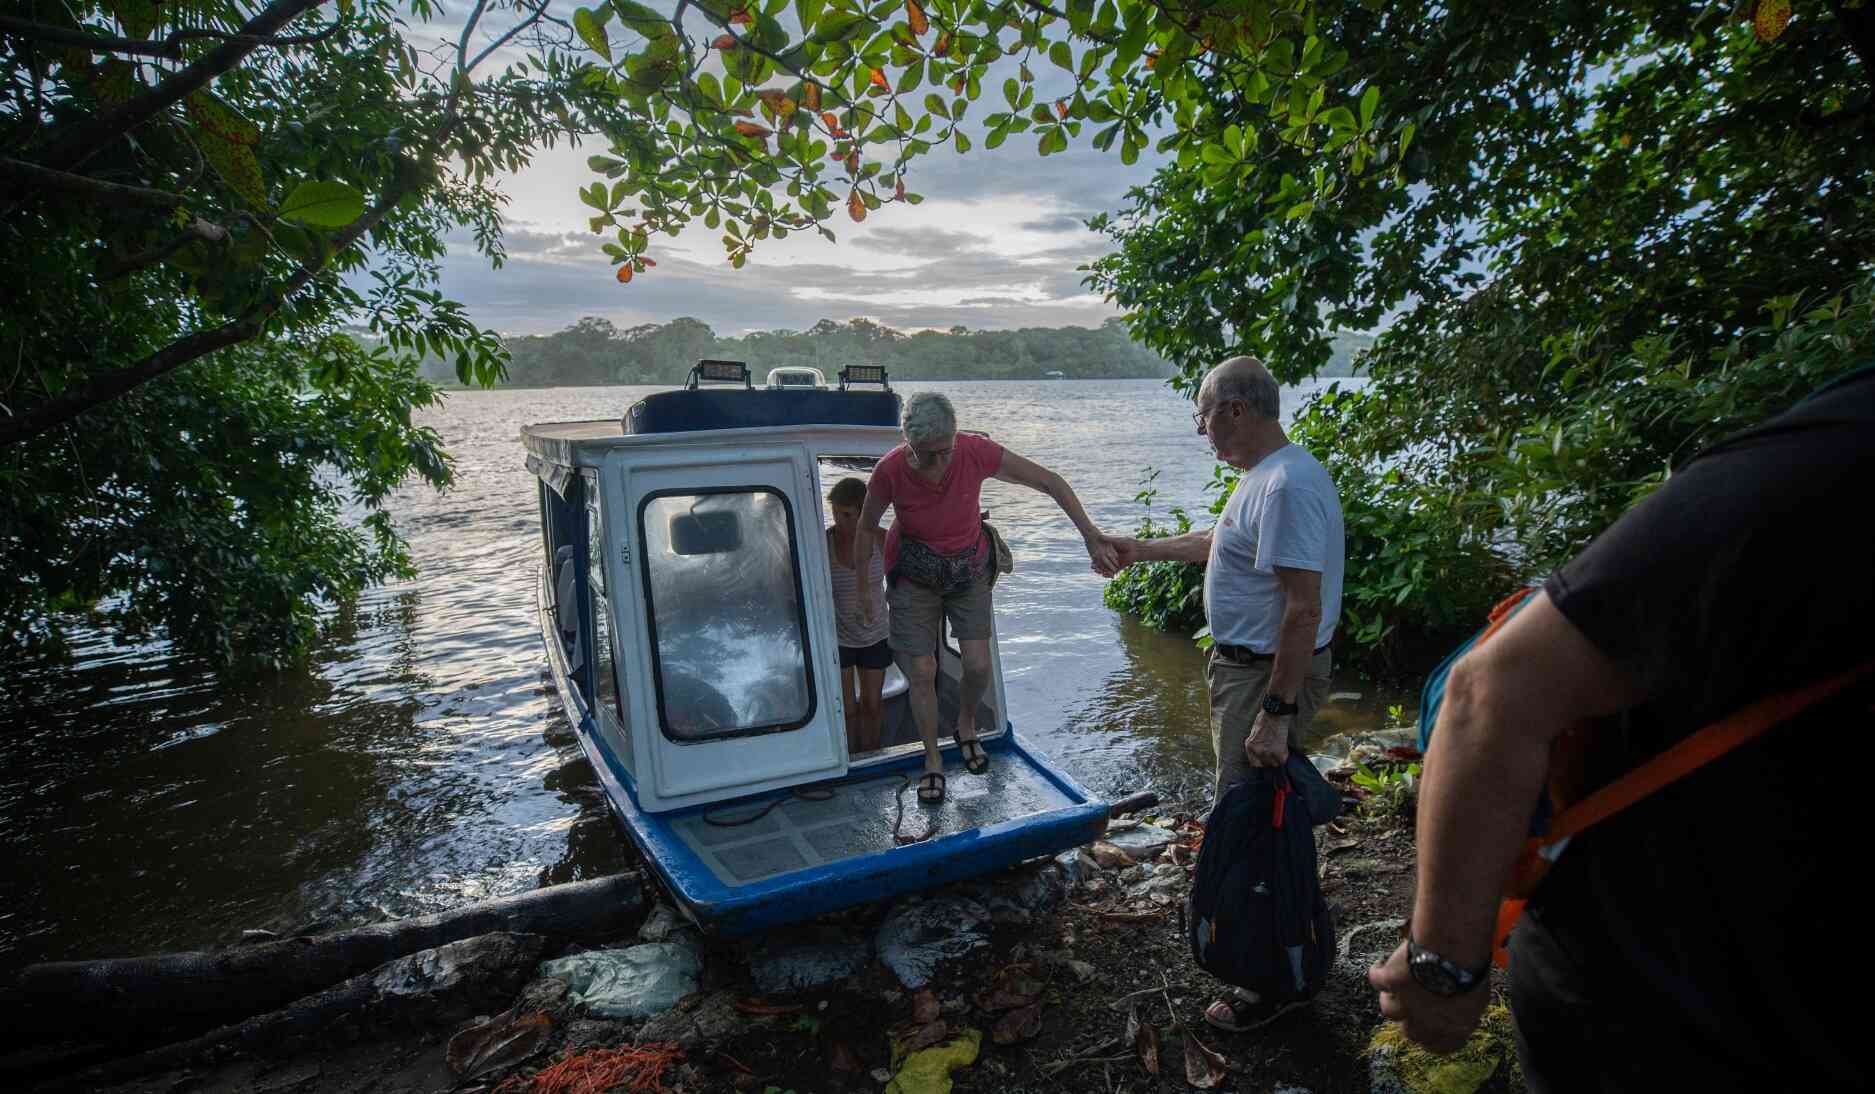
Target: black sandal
pixel 976 762
pixel 931 787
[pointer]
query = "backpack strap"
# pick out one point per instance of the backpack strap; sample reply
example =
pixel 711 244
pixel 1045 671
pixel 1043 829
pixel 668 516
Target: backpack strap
pixel 1682 759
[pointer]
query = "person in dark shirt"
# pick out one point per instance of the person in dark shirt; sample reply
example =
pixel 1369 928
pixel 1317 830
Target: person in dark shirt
pixel 1685 942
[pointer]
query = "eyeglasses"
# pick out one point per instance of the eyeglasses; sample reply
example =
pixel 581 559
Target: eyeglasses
pixel 1202 413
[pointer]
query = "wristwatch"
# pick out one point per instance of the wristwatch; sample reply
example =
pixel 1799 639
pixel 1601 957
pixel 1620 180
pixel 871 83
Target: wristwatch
pixel 1275 706
pixel 1439 975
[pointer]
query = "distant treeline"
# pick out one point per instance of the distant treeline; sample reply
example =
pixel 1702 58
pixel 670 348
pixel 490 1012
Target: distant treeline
pixel 595 351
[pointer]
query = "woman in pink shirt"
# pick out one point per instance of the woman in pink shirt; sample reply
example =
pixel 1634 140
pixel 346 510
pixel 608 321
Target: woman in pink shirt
pixel 940 564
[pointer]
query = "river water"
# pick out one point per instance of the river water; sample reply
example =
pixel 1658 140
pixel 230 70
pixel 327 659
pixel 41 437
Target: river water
pixel 420 761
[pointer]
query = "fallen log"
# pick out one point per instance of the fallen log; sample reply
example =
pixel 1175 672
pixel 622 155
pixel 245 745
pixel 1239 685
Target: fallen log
pixel 432 987
pixel 1133 803
pixel 166 995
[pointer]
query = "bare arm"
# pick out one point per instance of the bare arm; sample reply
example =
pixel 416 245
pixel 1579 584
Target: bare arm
pixel 1302 619
pixel 1505 703
pixel 1033 475
pixel 1268 743
pixel 1028 473
pixel 1190 547
pixel 869 516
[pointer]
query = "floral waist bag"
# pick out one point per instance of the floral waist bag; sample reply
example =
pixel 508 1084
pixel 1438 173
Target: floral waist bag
pixel 950 574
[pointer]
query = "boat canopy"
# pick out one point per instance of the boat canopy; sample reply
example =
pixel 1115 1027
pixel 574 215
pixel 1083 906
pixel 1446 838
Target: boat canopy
pixel 690 411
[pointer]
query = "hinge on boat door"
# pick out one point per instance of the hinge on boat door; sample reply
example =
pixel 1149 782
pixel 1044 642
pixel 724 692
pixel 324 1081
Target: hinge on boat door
pixel 625 552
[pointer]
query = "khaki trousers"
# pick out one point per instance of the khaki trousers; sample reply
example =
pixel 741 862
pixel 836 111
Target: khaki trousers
pixel 1237 698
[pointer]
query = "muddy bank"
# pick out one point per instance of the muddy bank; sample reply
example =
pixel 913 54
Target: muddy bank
pixel 1051 977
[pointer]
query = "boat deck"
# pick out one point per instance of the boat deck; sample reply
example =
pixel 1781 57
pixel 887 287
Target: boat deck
pixel 857 817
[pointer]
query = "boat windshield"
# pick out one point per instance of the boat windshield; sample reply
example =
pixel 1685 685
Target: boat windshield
pixel 729 635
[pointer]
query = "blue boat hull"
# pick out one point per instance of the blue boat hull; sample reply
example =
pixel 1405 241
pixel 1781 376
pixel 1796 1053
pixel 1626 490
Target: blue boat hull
pixel 728 907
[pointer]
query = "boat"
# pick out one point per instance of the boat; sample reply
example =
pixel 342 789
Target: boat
pixel 685 602
pixel 1055 374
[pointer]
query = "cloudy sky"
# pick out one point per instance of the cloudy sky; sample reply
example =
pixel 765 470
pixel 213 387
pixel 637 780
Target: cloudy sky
pixel 995 244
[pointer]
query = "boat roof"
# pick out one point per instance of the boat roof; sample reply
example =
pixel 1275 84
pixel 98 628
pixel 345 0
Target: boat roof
pixel 696 414
pixel 556 450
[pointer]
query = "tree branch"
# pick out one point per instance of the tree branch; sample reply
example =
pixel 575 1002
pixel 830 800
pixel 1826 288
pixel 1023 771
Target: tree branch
pixel 198 229
pixel 96 43
pixel 168 47
pixel 108 193
pixel 88 138
pixel 103 389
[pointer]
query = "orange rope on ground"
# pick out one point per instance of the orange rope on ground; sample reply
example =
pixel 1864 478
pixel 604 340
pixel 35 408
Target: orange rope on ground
pixel 637 1068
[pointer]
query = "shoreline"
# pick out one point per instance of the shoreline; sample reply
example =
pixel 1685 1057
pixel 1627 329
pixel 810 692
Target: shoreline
pixel 1109 935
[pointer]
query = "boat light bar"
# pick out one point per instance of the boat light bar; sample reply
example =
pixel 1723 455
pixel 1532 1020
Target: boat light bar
pixel 863 374
pixel 720 372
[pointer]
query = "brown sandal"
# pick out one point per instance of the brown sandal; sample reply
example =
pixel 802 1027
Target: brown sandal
pixel 1235 1014
pixel 975 757
pixel 931 787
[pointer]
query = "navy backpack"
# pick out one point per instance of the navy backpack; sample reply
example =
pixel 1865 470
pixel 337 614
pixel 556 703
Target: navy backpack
pixel 1256 917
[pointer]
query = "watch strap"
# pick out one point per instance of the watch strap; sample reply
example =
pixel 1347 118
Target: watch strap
pixel 1420 958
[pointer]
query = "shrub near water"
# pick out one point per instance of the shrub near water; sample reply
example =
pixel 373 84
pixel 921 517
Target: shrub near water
pixel 1450 502
pixel 1168 596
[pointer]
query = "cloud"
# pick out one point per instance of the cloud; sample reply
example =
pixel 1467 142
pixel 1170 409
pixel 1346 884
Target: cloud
pixel 996 244
pixel 1058 222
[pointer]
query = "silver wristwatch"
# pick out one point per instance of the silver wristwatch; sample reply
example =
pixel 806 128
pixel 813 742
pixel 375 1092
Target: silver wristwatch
pixel 1442 976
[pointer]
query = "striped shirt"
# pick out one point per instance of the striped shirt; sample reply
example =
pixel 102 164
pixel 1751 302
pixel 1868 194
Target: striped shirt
pixel 852 630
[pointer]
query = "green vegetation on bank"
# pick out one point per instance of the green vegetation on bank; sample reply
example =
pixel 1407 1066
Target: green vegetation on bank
pixel 594 351
pixel 1618 233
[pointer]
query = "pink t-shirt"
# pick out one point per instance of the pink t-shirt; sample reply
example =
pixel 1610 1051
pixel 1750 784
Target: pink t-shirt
pixel 944 514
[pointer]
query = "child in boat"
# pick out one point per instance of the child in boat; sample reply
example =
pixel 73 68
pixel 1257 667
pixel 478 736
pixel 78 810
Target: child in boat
pixel 864 653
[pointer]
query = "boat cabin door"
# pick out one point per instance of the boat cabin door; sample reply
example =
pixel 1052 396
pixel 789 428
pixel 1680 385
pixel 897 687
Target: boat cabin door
pixel 731 609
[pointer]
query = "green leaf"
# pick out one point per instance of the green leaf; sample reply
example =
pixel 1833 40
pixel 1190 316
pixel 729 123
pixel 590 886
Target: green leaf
pixel 1062 55
pixel 913 76
pixel 138 17
pixel 592 33
pixel 1299 209
pixel 962 141
pixel 1369 101
pixel 1338 117
pixel 1406 137
pixel 840 26
pixel 318 204
pixel 237 166
pixel 221 121
pixel 645 20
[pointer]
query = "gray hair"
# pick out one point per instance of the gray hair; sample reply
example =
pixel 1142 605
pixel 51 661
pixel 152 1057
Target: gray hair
pixel 1247 379
pixel 928 417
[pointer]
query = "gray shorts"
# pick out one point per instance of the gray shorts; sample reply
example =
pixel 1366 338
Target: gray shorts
pixel 913 611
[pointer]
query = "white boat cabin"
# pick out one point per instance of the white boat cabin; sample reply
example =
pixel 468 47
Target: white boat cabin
pixel 688 580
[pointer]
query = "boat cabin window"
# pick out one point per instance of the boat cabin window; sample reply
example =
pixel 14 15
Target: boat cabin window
pixel 605 678
pixel 728 630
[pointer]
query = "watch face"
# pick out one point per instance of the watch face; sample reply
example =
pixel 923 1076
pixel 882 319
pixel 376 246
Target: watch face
pixel 1434 975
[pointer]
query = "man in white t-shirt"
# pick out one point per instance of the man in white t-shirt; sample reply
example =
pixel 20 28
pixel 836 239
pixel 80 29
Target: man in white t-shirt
pixel 1272 589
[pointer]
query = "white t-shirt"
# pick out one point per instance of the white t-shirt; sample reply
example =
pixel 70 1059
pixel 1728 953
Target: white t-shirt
pixel 1285 512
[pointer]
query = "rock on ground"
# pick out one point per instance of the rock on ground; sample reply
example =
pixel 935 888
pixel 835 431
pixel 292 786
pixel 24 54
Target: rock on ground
pixel 713 1021
pixel 633 982
pixel 1141 842
pixel 918 936
pixel 788 968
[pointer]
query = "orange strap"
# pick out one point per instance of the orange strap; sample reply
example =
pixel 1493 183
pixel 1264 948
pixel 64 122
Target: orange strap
pixel 1695 752
pixel 1683 758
